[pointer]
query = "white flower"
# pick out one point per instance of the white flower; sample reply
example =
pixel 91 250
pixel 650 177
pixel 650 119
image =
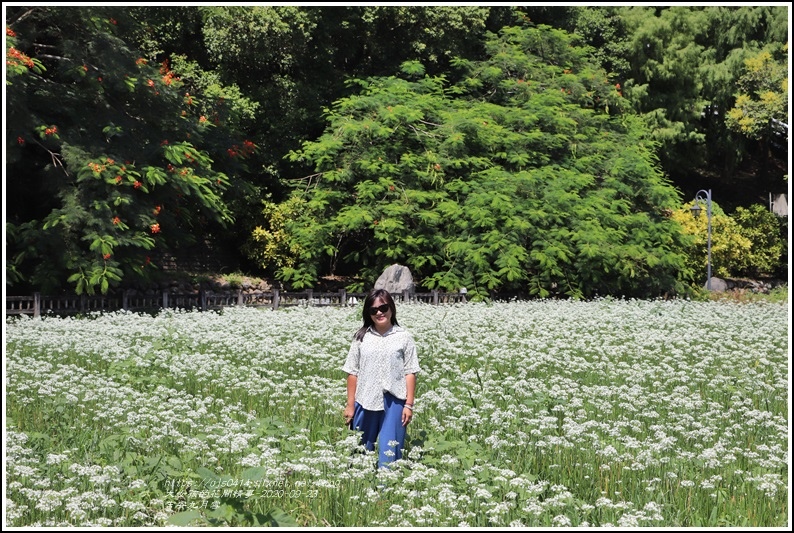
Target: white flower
pixel 54 458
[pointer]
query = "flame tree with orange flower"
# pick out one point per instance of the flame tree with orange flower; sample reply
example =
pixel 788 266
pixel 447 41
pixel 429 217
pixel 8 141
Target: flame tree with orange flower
pixel 109 158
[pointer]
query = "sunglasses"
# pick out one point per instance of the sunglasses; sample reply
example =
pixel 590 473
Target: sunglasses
pixel 382 308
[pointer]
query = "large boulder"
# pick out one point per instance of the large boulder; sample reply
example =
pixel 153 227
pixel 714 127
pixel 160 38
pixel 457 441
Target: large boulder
pixel 396 279
pixel 718 284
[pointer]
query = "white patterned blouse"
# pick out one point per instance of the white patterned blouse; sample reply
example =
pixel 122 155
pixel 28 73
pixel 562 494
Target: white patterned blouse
pixel 381 363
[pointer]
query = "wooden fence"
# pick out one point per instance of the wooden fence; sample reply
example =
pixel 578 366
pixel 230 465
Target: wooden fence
pixel 37 304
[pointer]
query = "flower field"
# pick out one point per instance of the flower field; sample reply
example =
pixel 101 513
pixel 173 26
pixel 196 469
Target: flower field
pixel 547 413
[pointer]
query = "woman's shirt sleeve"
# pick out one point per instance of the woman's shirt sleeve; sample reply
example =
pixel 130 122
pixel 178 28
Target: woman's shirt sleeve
pixel 410 357
pixel 352 363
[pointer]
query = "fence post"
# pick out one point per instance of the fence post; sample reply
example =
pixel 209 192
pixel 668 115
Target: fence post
pixel 342 297
pixel 125 299
pixel 406 297
pixel 240 297
pixel 275 299
pixel 36 304
pixel 165 299
pixel 203 299
pixel 435 296
pixel 309 293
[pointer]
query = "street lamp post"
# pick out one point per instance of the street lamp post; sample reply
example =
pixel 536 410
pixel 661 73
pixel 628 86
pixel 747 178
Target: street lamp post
pixel 696 212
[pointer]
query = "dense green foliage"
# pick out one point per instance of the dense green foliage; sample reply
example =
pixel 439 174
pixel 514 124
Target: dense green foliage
pixel 523 175
pixel 762 100
pixel 111 158
pixel 241 90
pixel 766 233
pixel 750 243
pixel 684 66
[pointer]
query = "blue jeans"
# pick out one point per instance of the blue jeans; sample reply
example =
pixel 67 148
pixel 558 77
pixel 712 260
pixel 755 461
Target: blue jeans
pixel 382 426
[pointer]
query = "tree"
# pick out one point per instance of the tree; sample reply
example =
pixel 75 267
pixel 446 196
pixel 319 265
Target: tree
pixel 292 62
pixel 109 160
pixel 523 174
pixel 760 111
pixel 747 243
pixel 684 67
pixel 767 235
pixel 728 246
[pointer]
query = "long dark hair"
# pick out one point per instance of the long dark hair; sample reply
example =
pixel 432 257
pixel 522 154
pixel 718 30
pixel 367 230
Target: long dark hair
pixel 384 295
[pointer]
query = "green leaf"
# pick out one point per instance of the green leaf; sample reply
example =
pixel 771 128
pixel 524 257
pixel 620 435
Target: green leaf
pixel 277 517
pixel 254 473
pixel 185 518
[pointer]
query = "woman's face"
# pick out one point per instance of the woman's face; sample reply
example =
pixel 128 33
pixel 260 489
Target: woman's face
pixel 381 319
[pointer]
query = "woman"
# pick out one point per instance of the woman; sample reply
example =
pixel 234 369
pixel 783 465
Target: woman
pixel 381 365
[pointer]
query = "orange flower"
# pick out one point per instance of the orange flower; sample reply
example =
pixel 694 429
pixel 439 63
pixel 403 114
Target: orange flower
pixel 106 257
pixel 10 32
pixel 116 220
pixel 202 118
pixel 137 184
pixel 155 228
pixel 14 57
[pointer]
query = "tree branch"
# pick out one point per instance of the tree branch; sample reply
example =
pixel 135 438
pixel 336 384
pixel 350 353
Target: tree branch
pixel 417 130
pixel 310 177
pixel 48 56
pixel 56 158
pixel 23 16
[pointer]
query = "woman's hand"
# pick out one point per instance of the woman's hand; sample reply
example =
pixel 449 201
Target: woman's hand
pixel 348 414
pixel 408 414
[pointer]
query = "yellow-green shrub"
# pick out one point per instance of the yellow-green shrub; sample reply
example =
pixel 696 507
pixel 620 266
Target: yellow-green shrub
pixel 747 243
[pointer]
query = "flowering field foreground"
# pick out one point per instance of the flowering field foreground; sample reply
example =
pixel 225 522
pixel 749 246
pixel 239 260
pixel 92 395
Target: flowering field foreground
pixel 547 413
